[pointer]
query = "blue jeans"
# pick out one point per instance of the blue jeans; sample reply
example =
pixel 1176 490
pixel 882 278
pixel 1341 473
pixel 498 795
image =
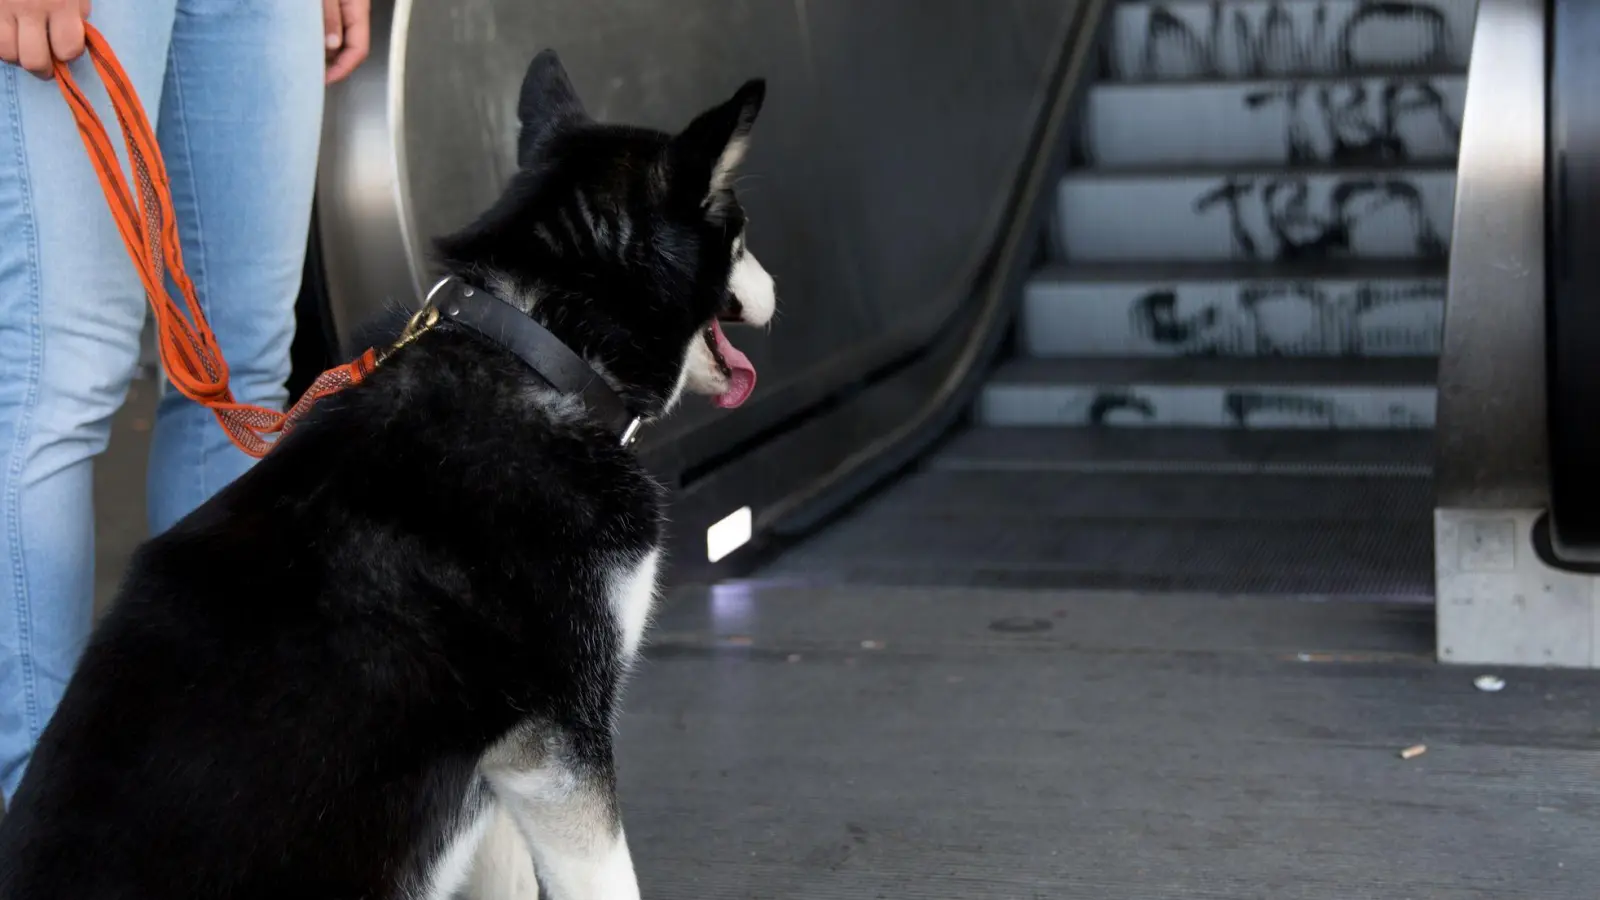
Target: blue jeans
pixel 236 86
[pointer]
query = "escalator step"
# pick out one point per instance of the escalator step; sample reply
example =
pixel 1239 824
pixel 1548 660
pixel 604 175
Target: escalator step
pixel 1161 39
pixel 1259 214
pixel 1212 392
pixel 1371 119
pixel 1228 309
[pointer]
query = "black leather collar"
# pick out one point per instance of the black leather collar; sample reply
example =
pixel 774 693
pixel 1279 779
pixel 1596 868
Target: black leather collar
pixel 496 319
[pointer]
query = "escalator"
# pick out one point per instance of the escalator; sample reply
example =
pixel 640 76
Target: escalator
pixel 1087 513
pixel 1198 245
pixel 1223 377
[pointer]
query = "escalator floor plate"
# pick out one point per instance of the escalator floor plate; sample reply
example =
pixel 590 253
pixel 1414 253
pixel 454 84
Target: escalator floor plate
pixel 1186 450
pixel 1268 517
pixel 875 742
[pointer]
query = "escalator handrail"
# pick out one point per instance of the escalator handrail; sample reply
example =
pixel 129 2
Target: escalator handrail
pixel 1572 279
pixel 967 341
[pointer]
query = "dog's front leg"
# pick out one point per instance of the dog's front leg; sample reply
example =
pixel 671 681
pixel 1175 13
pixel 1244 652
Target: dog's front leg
pixel 502 868
pixel 561 792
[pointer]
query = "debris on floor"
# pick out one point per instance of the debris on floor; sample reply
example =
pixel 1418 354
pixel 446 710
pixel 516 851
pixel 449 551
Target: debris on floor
pixel 872 645
pixel 1489 683
pixel 1413 751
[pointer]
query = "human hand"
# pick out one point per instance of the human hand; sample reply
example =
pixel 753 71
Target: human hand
pixel 345 27
pixel 36 33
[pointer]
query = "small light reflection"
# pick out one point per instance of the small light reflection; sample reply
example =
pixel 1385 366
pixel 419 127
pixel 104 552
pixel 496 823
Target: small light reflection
pixel 732 608
pixel 729 534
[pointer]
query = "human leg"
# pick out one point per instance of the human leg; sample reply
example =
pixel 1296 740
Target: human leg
pixel 71 308
pixel 240 125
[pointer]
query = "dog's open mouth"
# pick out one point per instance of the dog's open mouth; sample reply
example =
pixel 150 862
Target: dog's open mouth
pixel 734 364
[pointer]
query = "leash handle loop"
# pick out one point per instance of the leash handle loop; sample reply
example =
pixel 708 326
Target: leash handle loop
pixel 190 354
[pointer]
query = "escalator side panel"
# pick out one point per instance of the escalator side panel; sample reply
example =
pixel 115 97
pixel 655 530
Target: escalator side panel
pixel 1491 423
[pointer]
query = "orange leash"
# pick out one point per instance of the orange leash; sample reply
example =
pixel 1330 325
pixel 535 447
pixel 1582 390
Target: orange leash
pixel 189 351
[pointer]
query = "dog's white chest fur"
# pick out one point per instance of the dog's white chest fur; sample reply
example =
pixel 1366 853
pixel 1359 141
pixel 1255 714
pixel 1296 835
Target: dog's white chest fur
pixel 632 587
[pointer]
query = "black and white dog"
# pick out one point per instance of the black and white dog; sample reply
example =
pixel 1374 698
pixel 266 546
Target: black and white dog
pixel 413 618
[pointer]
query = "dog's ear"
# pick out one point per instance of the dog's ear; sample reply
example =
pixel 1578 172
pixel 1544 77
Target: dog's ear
pixel 704 157
pixel 547 105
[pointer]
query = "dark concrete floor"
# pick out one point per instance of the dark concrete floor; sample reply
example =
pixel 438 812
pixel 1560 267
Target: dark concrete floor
pixel 860 741
pixel 119 489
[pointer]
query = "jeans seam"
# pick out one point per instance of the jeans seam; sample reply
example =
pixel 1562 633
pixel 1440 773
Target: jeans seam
pixel 14 472
pixel 198 274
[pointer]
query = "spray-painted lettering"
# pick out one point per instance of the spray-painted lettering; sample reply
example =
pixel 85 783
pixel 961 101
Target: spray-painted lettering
pixel 1254 39
pixel 1253 408
pixel 1295 229
pixel 1299 318
pixel 1350 122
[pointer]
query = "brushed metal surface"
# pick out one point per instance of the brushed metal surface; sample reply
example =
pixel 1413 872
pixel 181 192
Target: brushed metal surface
pixel 363 206
pixel 1493 446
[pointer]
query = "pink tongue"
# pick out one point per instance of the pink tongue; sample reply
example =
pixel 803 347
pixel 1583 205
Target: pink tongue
pixel 743 379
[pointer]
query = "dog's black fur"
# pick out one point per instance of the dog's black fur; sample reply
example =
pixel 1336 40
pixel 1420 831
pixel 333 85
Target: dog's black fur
pixel 294 691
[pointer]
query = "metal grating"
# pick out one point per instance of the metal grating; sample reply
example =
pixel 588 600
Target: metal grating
pixel 1182 524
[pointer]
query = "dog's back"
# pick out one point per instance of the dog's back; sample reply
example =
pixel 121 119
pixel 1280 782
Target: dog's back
pixel 287 689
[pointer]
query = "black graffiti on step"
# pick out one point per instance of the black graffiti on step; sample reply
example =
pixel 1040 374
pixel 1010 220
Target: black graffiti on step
pixel 1241 406
pixel 1245 405
pixel 1334 318
pixel 1155 315
pixel 1275 38
pixel 1297 232
pixel 1107 404
pixel 1356 131
pixel 1376 18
